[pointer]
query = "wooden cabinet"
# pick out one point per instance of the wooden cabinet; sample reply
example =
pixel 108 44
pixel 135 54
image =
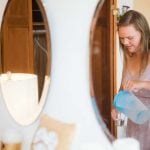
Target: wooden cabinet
pixel 17 41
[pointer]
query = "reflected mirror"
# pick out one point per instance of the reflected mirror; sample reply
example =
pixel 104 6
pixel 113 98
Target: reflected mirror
pixel 25 59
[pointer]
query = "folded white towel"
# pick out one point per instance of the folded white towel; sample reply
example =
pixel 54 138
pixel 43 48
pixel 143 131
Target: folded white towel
pixel 45 140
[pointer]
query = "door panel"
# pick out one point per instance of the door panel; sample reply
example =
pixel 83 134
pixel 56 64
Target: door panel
pixel 17 37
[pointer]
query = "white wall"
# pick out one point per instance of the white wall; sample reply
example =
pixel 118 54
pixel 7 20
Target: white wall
pixel 144 9
pixel 2 8
pixel 129 3
pixel 68 97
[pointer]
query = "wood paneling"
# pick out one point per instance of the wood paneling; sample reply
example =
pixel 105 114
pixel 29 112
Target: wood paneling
pixel 17 41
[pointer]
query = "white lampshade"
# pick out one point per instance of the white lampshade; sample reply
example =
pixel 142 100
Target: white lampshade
pixel 20 93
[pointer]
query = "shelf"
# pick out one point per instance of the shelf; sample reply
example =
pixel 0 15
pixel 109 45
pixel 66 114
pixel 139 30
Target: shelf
pixel 38 24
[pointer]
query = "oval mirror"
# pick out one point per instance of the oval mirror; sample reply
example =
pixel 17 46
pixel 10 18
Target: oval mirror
pixel 102 66
pixel 25 59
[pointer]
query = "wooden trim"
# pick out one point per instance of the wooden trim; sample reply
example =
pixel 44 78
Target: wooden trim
pixel 113 21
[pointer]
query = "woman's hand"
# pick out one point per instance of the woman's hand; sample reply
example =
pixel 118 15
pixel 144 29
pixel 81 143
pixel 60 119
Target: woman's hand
pixel 133 85
pixel 114 114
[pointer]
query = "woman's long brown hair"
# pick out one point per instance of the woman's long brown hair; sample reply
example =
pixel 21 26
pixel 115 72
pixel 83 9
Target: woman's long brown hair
pixel 140 23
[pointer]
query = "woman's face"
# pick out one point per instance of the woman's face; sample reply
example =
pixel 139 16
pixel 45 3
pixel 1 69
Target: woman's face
pixel 130 38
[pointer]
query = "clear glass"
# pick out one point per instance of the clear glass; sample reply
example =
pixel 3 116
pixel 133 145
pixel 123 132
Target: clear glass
pixel 120 121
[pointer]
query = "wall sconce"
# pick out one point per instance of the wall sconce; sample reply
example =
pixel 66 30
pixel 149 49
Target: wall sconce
pixel 125 9
pixel 121 11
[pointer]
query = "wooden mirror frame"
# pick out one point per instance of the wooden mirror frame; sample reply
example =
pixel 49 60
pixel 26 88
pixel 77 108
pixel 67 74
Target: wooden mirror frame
pixel 27 28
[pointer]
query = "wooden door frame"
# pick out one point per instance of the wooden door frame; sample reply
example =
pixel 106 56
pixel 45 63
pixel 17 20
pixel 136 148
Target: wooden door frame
pixel 113 58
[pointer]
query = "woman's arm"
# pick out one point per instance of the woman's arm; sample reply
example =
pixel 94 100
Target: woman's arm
pixel 114 114
pixel 136 85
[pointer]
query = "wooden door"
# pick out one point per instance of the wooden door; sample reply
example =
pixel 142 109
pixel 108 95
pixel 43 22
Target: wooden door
pixel 17 41
pixel 103 34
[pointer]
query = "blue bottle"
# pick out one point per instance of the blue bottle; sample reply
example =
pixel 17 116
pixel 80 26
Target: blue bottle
pixel 128 104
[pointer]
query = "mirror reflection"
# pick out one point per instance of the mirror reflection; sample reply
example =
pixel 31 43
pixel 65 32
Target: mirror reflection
pixel 105 61
pixel 101 60
pixel 25 58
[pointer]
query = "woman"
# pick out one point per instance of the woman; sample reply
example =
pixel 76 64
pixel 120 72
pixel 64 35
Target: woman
pixel 134 35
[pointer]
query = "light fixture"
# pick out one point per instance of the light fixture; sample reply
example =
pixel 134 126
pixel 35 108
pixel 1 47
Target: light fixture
pixel 121 11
